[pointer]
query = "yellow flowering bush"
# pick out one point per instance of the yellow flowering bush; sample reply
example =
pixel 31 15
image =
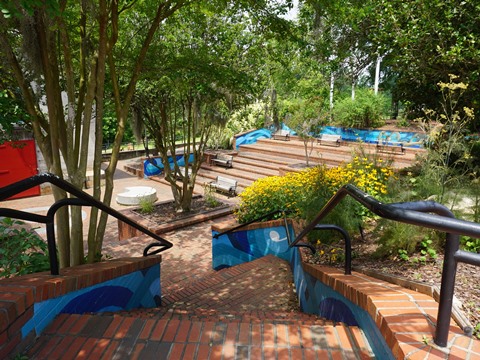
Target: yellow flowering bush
pixel 297 191
pixel 277 193
pixel 363 173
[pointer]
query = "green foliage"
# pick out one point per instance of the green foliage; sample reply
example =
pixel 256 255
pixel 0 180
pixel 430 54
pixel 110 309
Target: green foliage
pixel 476 330
pixel 209 197
pixel 403 255
pixel 12 112
pixel 403 241
pixel 306 192
pixel 427 40
pixel 244 119
pixel 147 205
pixel 448 160
pixel 397 239
pixel 21 251
pixel 277 193
pixel 470 244
pixel 427 251
pixel 367 110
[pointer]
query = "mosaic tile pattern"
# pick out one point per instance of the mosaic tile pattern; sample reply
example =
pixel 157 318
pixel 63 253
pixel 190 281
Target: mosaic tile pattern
pixel 150 169
pixel 140 289
pixel 241 246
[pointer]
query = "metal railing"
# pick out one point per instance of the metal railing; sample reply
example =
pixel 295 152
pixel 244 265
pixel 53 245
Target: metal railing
pixel 416 213
pixel 81 199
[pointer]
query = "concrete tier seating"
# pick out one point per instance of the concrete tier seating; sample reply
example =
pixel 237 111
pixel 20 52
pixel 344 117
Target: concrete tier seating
pixel 135 194
pixel 225 185
pixel 390 148
pixel 223 160
pixel 329 139
pixel 281 135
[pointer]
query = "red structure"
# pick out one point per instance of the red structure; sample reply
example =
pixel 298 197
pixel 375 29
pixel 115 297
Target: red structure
pixel 18 160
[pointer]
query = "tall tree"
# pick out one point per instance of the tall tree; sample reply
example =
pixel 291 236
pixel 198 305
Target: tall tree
pixel 427 41
pixel 210 66
pixel 62 50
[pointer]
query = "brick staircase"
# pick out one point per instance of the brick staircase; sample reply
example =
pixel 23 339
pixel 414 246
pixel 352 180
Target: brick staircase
pixel 243 312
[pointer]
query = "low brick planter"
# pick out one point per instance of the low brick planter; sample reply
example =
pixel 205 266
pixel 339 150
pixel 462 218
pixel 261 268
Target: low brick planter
pixel 126 231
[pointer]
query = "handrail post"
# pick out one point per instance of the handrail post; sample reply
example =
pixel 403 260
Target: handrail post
pixel 52 248
pixel 449 273
pixel 348 244
pixel 289 240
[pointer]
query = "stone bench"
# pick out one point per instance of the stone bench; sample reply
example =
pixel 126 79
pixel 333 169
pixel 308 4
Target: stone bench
pixel 134 195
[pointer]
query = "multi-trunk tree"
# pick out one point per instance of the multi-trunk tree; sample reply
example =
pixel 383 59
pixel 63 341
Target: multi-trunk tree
pixel 64 55
pixel 61 55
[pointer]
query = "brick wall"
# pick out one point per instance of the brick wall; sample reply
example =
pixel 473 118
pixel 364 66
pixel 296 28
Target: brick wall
pixel 28 303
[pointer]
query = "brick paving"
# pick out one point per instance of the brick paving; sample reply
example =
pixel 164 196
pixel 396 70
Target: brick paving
pixel 243 312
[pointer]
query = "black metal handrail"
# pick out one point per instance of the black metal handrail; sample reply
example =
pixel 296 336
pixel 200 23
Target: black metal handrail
pixel 81 199
pixel 348 243
pixel 266 216
pixel 415 213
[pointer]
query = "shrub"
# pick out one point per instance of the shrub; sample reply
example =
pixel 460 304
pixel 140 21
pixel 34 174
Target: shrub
pixel 21 251
pixel 365 111
pixel 306 192
pixel 248 118
pixel 277 193
pixel 147 205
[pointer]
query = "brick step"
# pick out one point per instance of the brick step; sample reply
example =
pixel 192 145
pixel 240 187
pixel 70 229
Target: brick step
pixel 345 148
pixel 259 168
pixel 209 315
pixel 234 288
pixel 233 173
pixel 326 155
pixel 298 155
pixel 257 163
pixel 274 161
pixel 114 336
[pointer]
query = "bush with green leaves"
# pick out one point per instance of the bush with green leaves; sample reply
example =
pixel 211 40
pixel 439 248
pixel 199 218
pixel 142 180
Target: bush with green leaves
pixel 367 110
pixel 305 193
pixel 22 251
pixel 248 118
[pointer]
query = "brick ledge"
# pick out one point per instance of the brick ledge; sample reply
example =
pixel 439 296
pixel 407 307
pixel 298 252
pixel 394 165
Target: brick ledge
pixel 405 318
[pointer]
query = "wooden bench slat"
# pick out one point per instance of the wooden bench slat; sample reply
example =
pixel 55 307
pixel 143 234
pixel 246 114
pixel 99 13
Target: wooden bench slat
pixel 329 139
pixel 281 135
pixel 223 160
pixel 225 185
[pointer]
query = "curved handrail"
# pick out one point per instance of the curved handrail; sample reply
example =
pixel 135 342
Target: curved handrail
pixel 416 213
pixel 82 199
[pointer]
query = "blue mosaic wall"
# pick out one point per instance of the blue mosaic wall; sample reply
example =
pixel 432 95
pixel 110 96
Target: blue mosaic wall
pixel 314 296
pixel 140 289
pixel 247 245
pixel 150 169
pixel 317 298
